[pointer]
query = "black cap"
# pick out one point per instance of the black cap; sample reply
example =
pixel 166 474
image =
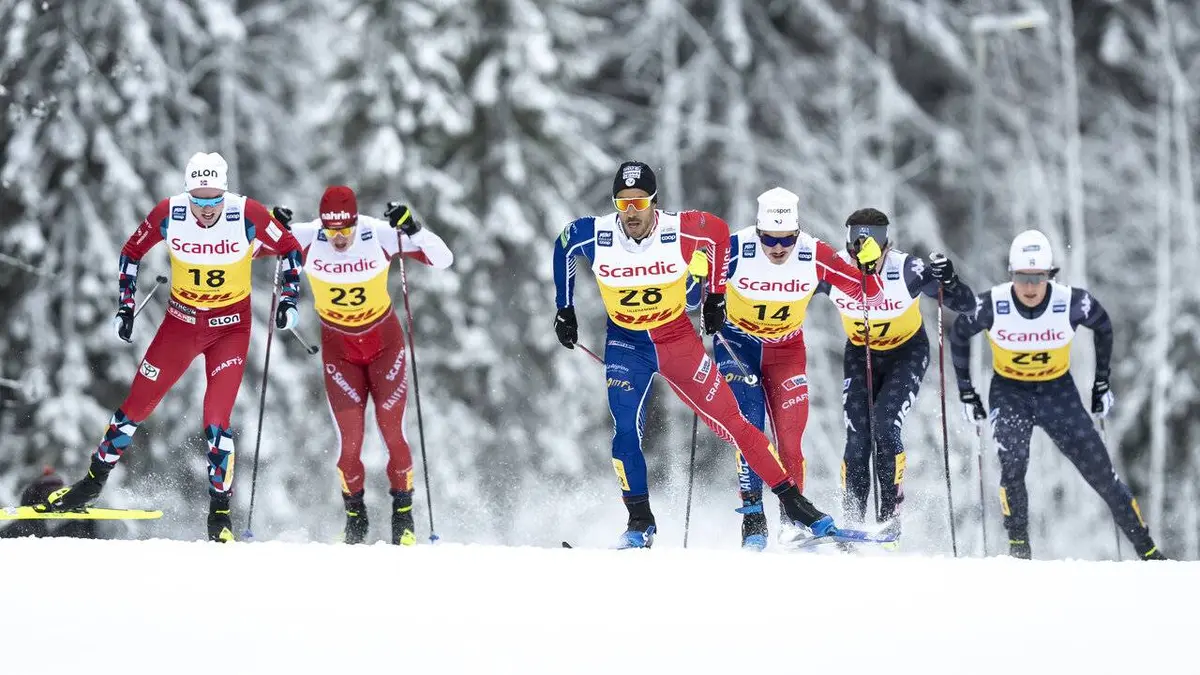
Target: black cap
pixel 635 175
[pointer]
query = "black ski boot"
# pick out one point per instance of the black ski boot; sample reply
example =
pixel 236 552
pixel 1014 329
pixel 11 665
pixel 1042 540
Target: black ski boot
pixel 1019 548
pixel 800 510
pixel 640 529
pixel 754 522
pixel 356 518
pixel 220 525
pixel 79 496
pixel 404 531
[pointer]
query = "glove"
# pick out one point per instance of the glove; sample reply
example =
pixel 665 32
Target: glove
pixel 1102 398
pixel 712 316
pixel 868 254
pixel 123 323
pixel 566 327
pixel 284 215
pixel 401 218
pixel 698 267
pixel 942 269
pixel 972 408
pixel 286 315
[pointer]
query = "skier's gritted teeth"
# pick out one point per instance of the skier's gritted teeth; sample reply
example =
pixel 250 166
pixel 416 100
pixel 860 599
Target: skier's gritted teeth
pixel 207 204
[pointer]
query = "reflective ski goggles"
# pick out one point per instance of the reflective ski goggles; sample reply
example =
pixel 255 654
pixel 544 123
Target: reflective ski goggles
pixel 856 232
pixel 209 201
pixel 344 230
pixel 636 203
pixel 771 242
pixel 1030 277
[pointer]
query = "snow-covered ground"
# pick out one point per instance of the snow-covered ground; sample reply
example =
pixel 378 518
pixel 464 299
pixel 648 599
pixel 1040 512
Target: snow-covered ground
pixel 160 606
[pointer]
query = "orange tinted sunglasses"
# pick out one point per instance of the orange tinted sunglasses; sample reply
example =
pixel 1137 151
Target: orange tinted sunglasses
pixel 637 203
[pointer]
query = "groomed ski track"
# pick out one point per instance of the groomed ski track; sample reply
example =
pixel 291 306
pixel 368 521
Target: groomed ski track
pixel 161 606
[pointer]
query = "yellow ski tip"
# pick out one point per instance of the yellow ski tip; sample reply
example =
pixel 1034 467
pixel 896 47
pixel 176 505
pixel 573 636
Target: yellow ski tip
pixel 30 513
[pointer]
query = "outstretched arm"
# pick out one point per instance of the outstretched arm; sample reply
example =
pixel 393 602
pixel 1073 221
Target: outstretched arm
pixel 277 239
pixel 966 326
pixel 578 238
pixel 1086 311
pixel 835 271
pixel 956 294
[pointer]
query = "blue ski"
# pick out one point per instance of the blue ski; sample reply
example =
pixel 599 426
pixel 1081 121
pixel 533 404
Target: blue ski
pixel 846 535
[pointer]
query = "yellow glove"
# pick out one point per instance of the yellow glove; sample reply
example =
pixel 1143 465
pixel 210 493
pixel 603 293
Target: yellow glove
pixel 868 254
pixel 698 267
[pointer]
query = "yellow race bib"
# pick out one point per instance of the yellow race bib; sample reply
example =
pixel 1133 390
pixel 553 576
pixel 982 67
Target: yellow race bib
pixel 1031 366
pixel 645 307
pixel 351 304
pixel 765 318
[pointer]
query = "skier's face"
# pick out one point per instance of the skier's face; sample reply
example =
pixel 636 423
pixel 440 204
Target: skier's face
pixel 207 204
pixel 340 237
pixel 777 245
pixel 635 209
pixel 1030 286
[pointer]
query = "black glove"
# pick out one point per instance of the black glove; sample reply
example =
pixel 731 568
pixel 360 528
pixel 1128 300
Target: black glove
pixel 566 327
pixel 401 218
pixel 123 323
pixel 286 314
pixel 712 316
pixel 1102 398
pixel 942 269
pixel 972 408
pixel 284 215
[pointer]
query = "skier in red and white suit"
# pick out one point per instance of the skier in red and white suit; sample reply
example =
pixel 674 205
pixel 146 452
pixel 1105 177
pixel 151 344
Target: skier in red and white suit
pixel 210 234
pixel 347 258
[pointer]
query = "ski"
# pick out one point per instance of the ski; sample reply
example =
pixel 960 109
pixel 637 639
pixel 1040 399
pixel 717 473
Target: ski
pixel 846 536
pixel 30 513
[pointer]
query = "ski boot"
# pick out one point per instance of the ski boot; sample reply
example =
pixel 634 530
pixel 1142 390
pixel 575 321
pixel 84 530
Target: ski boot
pixel 801 511
pixel 1019 548
pixel 356 519
pixel 80 495
pixel 639 532
pixel 220 525
pixel 403 528
pixel 754 522
pixel 1146 548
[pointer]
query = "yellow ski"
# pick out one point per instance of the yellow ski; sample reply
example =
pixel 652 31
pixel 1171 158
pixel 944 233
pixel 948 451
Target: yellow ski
pixel 30 513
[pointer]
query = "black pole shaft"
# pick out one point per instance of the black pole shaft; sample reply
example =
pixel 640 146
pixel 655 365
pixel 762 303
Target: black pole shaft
pixel 687 512
pixel 262 396
pixel 945 432
pixel 874 468
pixel 412 352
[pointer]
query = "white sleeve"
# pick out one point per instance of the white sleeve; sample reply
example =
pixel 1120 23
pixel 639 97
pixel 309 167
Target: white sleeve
pixel 436 252
pixel 306 232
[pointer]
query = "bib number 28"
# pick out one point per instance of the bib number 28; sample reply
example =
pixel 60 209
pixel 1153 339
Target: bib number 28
pixel 641 296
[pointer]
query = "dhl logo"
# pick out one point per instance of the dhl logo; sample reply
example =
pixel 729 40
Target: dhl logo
pixel 881 343
pixel 644 318
pixel 1029 374
pixel 758 328
pixel 352 317
pixel 185 294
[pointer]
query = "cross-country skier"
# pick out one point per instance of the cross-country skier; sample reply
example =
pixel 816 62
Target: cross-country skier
pixel 899 357
pixel 347 257
pixel 640 258
pixel 210 234
pixel 1030 322
pixel 772 273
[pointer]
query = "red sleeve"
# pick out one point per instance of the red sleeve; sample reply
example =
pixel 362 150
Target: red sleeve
pixel 269 232
pixel 703 230
pixel 846 277
pixel 149 233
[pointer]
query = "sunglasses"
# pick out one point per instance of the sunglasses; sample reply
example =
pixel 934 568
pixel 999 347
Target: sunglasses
pixel 771 242
pixel 345 231
pixel 1030 277
pixel 636 203
pixel 210 201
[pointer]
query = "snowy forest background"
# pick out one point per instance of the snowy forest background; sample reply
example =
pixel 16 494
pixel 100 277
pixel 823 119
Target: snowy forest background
pixel 500 120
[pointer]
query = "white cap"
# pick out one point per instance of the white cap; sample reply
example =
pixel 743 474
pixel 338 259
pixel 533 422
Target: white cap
pixel 1030 250
pixel 778 211
pixel 206 170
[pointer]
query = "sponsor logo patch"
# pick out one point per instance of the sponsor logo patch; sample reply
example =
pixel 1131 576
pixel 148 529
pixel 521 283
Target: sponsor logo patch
pixel 227 320
pixel 368 234
pixel 795 382
pixel 148 370
pixel 893 275
pixel 274 232
pixel 178 213
pixel 604 238
pixel 703 369
pixel 229 363
pixel 1002 307
pixel 668 237
pixel 1059 307
pixel 232 214
pixel 804 254
pixel 749 249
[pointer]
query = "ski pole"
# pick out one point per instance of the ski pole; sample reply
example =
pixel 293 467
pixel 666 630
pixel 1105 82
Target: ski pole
pixel 750 378
pixel 262 400
pixel 590 353
pixel 158 281
pixel 942 393
pixel 1116 528
pixel 310 348
pixel 412 348
pixel 687 512
pixel 982 497
pixel 874 468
